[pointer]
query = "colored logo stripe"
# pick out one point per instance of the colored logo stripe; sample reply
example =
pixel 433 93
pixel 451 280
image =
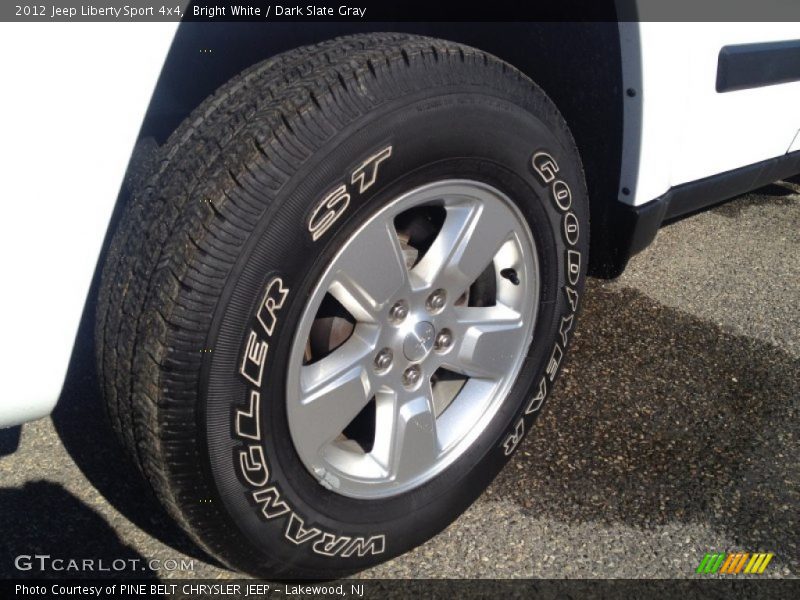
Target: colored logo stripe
pixel 758 563
pixel 734 563
pixel 710 563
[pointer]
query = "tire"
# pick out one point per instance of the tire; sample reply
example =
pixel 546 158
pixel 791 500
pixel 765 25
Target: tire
pixel 228 280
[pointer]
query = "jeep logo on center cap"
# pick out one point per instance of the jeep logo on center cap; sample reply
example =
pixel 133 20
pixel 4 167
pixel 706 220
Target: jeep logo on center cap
pixel 419 341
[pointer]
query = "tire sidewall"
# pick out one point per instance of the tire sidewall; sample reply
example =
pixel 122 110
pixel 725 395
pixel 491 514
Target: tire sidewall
pixel 435 135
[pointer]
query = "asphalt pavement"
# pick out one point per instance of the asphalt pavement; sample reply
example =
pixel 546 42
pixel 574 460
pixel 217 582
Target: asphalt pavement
pixel 672 433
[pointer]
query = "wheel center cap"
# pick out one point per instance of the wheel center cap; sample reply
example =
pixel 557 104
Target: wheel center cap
pixel 419 341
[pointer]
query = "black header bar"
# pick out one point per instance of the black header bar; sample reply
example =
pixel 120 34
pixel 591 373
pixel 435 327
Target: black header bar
pixel 400 10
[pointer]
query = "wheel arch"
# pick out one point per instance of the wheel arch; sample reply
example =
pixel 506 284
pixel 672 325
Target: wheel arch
pixel 577 64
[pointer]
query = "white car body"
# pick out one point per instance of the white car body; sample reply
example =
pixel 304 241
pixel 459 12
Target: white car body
pixel 71 115
pixel 69 120
pixel 688 130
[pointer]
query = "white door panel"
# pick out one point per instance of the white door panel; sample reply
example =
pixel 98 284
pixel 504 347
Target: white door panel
pixel 689 130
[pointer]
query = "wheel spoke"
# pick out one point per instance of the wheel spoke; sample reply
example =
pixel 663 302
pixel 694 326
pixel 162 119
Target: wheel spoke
pixel 370 271
pixel 364 419
pixel 470 237
pixel 414 444
pixel 334 390
pixel 488 338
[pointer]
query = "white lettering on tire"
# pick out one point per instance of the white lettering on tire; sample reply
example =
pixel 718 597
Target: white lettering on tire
pixel 536 402
pixel 563 329
pixel 254 359
pixel 546 169
pixel 571 230
pixel 248 425
pixel 374 545
pixel 515 437
pixel 367 173
pixel 331 208
pixel 269 499
pixel 545 166
pixel 328 211
pixel 274 297
pixel 573 266
pixel 561 194
pixel 252 465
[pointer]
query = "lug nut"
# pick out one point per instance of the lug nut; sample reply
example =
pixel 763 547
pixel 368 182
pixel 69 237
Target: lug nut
pixel 399 311
pixel 383 360
pixel 411 376
pixel 436 300
pixel 443 340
